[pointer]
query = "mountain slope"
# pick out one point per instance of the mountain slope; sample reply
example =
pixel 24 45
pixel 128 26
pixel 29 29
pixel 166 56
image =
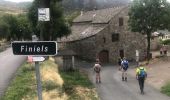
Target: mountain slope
pixel 92 4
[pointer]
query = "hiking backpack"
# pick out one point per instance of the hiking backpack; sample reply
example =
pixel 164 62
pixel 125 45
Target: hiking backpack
pixel 142 73
pixel 97 68
pixel 125 64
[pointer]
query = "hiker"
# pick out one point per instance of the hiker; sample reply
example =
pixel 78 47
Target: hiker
pixel 141 75
pixel 97 69
pixel 119 62
pixel 161 52
pixel 164 50
pixel 124 68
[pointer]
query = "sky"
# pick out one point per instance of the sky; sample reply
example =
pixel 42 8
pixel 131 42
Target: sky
pixel 32 0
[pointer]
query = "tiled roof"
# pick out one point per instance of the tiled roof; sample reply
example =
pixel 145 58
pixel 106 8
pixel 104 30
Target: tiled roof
pixel 82 31
pixel 97 21
pixel 98 16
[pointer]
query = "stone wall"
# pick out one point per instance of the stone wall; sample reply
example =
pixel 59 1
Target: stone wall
pixel 128 41
pixel 168 47
pixel 90 47
pixel 155 44
pixel 84 48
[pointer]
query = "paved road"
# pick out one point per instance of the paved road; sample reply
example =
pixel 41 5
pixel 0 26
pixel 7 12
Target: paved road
pixel 9 63
pixel 112 88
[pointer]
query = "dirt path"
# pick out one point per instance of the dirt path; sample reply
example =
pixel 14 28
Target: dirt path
pixel 158 72
pixel 112 88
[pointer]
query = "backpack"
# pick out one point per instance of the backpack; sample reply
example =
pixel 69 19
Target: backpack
pixel 142 73
pixel 97 68
pixel 125 64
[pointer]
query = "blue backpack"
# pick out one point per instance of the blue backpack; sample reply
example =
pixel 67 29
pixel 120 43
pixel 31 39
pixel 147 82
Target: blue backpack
pixel 142 73
pixel 125 64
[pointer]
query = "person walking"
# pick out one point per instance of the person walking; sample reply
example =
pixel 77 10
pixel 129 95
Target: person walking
pixel 141 75
pixel 97 69
pixel 124 68
pixel 119 62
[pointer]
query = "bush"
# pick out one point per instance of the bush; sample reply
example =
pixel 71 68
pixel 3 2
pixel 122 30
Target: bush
pixel 165 42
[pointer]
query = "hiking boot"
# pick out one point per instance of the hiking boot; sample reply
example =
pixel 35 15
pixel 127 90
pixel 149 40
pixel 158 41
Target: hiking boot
pixel 126 79
pixel 142 92
pixel 122 78
pixel 96 81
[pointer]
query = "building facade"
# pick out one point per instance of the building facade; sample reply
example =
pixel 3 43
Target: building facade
pixel 104 34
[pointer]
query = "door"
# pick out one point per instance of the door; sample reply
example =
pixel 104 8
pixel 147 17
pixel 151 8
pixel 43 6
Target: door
pixel 104 56
pixel 121 53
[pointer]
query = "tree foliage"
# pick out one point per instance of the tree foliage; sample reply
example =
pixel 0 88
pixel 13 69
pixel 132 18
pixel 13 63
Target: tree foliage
pixel 56 27
pixel 14 27
pixel 147 16
pixel 4 29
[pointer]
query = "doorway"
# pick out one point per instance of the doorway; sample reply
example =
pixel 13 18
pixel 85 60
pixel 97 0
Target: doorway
pixel 104 56
pixel 121 53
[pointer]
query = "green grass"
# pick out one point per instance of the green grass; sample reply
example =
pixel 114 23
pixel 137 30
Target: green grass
pixel 23 84
pixel 74 79
pixel 166 89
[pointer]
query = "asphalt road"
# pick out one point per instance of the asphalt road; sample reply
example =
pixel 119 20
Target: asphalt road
pixel 112 87
pixel 9 64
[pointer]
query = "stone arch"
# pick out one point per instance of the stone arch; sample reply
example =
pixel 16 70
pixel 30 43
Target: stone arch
pixel 104 56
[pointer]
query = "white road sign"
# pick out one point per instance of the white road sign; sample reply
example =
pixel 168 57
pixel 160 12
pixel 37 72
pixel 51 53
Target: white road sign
pixel 43 14
pixel 38 58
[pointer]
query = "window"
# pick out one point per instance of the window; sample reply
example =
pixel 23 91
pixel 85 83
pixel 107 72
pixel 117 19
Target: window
pixel 121 21
pixel 115 37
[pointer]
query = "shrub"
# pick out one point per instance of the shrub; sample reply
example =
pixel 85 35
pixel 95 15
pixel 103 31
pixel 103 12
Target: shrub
pixel 165 42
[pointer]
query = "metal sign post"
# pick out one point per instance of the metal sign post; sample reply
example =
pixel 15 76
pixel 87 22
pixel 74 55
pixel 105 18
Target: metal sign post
pixel 39 49
pixel 38 79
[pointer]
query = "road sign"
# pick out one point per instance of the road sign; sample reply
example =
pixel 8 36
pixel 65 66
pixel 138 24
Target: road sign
pixel 38 58
pixel 43 14
pixel 44 48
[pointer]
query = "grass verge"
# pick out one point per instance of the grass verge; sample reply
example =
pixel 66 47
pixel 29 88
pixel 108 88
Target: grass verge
pixel 166 89
pixel 71 86
pixel 23 84
pixel 78 86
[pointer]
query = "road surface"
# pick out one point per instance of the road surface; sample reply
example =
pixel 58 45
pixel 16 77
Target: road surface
pixel 9 63
pixel 112 87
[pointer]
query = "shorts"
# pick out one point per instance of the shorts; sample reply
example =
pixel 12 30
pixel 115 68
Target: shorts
pixel 125 69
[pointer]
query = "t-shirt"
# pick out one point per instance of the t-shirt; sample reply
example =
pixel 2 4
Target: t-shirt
pixel 97 68
pixel 138 70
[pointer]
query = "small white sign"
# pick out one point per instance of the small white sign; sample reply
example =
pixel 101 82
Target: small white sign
pixel 38 58
pixel 43 14
pixel 137 53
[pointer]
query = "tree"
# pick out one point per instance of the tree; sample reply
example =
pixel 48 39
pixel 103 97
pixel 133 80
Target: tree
pixel 147 16
pixel 24 27
pixel 15 27
pixel 56 27
pixel 4 29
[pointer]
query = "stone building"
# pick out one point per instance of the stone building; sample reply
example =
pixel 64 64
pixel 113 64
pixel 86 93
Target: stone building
pixel 104 34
